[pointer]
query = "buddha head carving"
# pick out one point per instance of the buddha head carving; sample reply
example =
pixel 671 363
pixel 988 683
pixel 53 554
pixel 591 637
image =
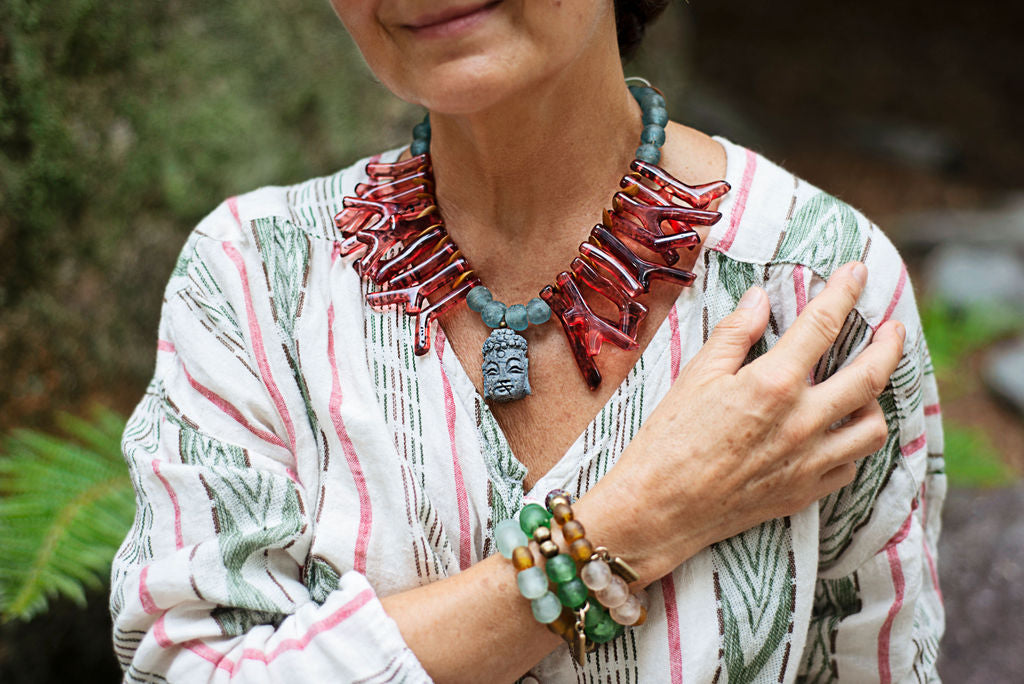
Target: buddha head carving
pixel 506 366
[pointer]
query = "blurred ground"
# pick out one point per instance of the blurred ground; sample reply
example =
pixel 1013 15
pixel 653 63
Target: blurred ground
pixel 894 107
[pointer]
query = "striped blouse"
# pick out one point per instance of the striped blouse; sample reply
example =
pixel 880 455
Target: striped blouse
pixel 294 461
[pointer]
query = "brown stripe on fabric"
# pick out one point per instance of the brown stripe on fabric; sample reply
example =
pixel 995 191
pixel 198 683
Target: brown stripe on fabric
pixel 867 248
pixel 320 504
pixel 213 507
pixel 279 586
pixel 327 451
pixel 785 663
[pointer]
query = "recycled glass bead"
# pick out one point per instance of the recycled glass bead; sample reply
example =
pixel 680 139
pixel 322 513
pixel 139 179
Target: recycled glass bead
pixel 581 550
pixel 555 494
pixel 562 513
pixel 564 626
pixel 572 531
pixel 598 625
pixel 533 516
pixel 627 612
pixel 596 575
pixel 655 115
pixel 493 313
pixel 516 317
pixel 615 594
pixel 478 298
pixel 561 568
pixel 637 91
pixel 653 135
pixel 651 98
pixel 507 536
pixel 547 608
pixel 421 131
pixel 419 147
pixel 522 558
pixel 648 153
pixel 538 311
pixel 573 593
pixel 533 583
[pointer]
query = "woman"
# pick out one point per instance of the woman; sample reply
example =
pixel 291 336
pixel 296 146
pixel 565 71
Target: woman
pixel 318 502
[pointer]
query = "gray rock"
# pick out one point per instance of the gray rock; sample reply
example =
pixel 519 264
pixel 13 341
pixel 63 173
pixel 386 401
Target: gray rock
pixel 1000 226
pixel 968 275
pixel 1004 375
pixel 981 567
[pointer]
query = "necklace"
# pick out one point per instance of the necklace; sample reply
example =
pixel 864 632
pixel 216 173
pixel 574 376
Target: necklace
pixel 393 226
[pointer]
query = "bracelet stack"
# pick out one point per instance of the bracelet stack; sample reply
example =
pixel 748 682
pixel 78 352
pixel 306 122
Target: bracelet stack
pixel 591 602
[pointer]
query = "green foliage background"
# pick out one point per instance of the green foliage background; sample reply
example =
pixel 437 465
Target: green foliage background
pixel 121 125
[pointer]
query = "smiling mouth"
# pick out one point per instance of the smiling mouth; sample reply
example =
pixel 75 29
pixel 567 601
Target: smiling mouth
pixel 452 20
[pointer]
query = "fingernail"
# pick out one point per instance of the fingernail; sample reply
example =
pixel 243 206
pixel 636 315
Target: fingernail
pixel 860 272
pixel 751 299
pixel 901 330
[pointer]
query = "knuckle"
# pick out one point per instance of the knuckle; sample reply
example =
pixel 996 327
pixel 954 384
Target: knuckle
pixel 847 473
pixel 826 321
pixel 879 433
pixel 777 385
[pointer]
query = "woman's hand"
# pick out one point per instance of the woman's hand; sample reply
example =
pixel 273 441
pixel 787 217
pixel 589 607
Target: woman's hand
pixel 730 447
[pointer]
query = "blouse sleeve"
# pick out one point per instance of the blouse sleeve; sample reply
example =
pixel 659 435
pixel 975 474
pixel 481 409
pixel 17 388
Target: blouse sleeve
pixel 213 579
pixel 878 612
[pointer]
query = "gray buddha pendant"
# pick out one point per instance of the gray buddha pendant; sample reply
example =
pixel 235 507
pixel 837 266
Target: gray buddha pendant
pixel 506 367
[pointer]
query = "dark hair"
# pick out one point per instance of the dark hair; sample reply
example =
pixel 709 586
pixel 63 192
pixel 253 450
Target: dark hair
pixel 631 19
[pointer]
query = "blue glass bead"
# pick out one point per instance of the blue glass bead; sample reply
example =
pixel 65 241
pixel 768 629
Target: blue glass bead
pixel 538 311
pixel 655 115
pixel 493 313
pixel 637 91
pixel 419 147
pixel 547 608
pixel 507 536
pixel 653 135
pixel 478 297
pixel 516 317
pixel 533 583
pixel 648 153
pixel 651 99
pixel 421 131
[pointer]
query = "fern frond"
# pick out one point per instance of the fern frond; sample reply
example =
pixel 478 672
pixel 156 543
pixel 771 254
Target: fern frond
pixel 65 506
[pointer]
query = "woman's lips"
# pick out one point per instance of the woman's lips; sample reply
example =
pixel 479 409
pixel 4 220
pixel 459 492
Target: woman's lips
pixel 452 21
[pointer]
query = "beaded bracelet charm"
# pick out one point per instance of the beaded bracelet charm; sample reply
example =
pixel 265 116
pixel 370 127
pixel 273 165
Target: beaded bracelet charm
pixel 570 611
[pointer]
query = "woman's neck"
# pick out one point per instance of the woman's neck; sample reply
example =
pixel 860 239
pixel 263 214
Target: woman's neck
pixel 526 170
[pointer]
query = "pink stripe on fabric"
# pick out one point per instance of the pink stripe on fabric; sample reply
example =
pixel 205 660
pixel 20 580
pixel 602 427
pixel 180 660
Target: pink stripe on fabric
pixel 160 634
pixel 233 206
pixel 145 598
pixel 932 410
pixel 675 648
pixel 235 414
pixel 899 586
pixel 178 543
pixel 741 202
pixel 913 446
pixel 676 343
pixel 164 346
pixel 799 289
pixel 204 651
pixel 900 284
pixel 351 457
pixel 460 487
pixel 924 544
pixel 330 622
pixel 257 344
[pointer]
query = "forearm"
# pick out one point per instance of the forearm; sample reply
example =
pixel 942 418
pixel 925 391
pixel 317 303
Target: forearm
pixel 473 626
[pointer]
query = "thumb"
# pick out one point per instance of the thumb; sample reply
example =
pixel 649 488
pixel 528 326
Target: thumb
pixel 732 338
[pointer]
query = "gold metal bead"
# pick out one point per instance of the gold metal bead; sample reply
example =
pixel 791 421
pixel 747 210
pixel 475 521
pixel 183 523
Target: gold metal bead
pixel 548 549
pixel 560 499
pixel 542 534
